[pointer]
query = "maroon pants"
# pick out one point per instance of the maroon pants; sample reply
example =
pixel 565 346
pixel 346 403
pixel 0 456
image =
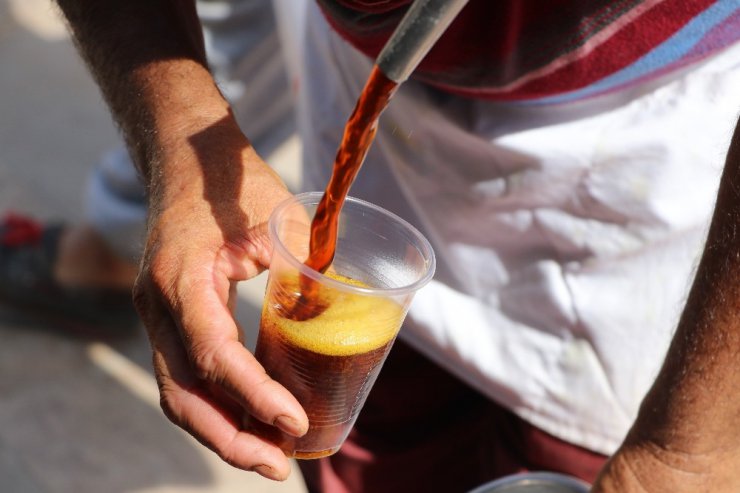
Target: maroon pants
pixel 422 429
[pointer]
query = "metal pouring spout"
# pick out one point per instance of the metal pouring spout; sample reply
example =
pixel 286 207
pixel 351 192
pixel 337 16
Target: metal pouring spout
pixel 420 28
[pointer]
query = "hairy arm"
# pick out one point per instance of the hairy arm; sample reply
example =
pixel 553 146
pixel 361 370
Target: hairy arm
pixel 140 52
pixel 686 436
pixel 210 196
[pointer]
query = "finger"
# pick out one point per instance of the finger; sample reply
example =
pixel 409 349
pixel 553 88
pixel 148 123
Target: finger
pixel 214 425
pixel 186 403
pixel 220 358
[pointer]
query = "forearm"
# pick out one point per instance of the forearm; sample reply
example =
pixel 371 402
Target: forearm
pixel 148 58
pixel 686 436
pixel 695 399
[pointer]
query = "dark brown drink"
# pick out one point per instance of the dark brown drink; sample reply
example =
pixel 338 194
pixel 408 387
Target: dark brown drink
pixel 329 362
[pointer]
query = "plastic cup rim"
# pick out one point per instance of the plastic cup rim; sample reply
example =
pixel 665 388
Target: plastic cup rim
pixel 535 476
pixel 307 198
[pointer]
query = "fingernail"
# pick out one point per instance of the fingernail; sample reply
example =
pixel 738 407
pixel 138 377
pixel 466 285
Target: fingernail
pixel 268 472
pixel 289 426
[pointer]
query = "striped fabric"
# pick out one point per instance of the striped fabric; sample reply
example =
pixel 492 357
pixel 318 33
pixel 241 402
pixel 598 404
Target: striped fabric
pixel 552 51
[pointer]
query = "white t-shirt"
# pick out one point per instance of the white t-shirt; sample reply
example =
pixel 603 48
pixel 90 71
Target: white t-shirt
pixel 566 237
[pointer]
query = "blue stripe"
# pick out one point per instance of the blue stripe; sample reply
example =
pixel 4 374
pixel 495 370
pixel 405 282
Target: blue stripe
pixel 671 50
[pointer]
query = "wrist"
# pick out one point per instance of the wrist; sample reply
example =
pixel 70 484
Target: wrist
pixel 207 165
pixel 188 158
pixel 647 468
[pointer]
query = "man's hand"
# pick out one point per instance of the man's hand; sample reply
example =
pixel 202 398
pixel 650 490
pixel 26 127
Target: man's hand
pixel 210 198
pixel 207 232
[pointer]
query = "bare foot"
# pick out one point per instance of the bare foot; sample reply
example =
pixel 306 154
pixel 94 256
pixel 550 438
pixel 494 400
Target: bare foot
pixel 84 259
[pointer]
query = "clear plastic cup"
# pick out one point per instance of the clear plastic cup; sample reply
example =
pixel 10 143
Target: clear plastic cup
pixel 535 482
pixel 330 360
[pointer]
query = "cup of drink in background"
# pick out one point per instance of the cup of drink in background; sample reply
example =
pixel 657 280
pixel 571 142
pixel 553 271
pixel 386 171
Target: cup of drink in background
pixel 330 355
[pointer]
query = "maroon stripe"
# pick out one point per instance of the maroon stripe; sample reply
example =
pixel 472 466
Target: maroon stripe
pixel 623 48
pixel 491 44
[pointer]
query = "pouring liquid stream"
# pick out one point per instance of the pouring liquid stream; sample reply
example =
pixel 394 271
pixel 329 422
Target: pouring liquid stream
pixel 359 133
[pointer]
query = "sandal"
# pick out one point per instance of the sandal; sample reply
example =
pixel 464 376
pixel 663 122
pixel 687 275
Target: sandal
pixel 28 253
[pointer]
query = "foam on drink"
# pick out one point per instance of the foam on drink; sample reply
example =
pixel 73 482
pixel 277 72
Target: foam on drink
pixel 350 324
pixel 327 361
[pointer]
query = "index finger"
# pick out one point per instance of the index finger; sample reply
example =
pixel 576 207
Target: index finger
pixel 197 409
pixel 217 356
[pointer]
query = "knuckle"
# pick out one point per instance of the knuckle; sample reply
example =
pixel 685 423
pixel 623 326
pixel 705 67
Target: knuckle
pixel 237 453
pixel 256 394
pixel 229 452
pixel 206 361
pixel 169 406
pixel 165 403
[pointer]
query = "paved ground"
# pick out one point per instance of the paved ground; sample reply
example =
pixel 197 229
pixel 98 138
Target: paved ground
pixel 77 415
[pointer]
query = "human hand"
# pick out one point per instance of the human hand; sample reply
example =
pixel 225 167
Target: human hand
pixel 207 231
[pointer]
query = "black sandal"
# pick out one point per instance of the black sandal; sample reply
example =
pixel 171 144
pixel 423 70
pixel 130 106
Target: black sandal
pixel 28 252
